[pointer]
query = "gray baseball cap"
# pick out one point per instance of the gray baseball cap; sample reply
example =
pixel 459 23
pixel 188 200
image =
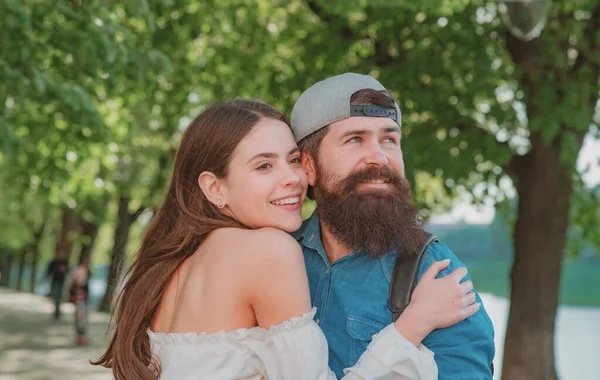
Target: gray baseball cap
pixel 328 101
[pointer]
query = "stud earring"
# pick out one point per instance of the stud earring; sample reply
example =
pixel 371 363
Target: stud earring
pixel 220 204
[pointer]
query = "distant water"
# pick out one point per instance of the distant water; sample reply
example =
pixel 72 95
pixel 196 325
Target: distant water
pixel 577 340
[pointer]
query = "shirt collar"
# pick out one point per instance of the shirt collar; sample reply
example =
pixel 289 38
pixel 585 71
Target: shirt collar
pixel 312 239
pixel 387 264
pixel 312 236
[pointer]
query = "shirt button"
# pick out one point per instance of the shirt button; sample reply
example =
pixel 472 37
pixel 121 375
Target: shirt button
pixel 317 320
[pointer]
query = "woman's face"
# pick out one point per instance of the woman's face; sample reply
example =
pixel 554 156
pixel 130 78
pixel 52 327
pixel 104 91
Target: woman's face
pixel 266 184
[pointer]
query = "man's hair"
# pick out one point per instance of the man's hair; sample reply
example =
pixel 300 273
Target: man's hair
pixel 311 143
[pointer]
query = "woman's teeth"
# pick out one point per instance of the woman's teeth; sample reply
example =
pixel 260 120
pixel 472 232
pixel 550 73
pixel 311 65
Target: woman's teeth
pixel 286 201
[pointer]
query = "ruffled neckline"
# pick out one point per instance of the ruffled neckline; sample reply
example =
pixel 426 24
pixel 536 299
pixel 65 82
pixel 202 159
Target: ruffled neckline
pixel 253 333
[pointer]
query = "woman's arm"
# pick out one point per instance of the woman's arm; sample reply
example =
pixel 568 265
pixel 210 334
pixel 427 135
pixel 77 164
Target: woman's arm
pixel 277 278
pixel 279 292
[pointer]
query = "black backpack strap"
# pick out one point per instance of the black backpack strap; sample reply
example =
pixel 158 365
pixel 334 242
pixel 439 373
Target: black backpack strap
pixel 404 278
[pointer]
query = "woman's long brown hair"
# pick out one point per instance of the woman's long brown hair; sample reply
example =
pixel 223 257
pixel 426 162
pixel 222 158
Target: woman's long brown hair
pixel 179 227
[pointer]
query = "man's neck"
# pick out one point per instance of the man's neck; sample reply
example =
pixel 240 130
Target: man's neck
pixel 333 248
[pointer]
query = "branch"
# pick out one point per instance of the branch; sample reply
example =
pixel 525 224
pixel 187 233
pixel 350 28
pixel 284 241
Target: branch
pixel 381 56
pixel 345 31
pixel 516 160
pixel 483 134
pixel 589 34
pixel 162 165
pixel 137 213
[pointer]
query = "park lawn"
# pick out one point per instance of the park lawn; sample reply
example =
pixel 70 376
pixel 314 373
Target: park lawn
pixel 580 282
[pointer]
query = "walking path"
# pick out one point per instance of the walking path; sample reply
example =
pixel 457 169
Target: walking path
pixel 35 347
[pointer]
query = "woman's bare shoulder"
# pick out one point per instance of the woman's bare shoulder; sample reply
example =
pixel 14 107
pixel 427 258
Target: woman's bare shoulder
pixel 266 268
pixel 262 247
pixel 263 239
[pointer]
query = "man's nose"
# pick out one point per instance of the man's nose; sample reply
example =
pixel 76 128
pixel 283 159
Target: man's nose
pixel 376 156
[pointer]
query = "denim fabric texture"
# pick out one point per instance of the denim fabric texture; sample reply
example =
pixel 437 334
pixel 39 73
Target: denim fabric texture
pixel 351 297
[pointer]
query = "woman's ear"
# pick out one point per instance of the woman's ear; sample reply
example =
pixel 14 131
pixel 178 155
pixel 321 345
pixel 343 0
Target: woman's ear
pixel 308 163
pixel 212 188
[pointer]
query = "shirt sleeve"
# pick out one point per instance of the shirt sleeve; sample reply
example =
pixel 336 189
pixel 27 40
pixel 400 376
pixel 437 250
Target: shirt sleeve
pixel 464 351
pixel 301 352
pixel 391 356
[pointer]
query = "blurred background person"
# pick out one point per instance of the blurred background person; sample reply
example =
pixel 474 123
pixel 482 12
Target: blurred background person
pixel 57 271
pixel 80 297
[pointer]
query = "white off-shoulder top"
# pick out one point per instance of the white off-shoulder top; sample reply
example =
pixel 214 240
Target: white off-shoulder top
pixel 295 349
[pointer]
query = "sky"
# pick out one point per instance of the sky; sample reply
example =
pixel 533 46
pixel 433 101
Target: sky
pixel 588 156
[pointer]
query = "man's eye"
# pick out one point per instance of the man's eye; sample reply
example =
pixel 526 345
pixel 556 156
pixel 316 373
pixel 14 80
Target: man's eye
pixel 354 140
pixel 390 140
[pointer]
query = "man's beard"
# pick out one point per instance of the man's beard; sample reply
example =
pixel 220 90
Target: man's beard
pixel 376 221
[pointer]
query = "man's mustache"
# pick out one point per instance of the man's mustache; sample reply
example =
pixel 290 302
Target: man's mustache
pixel 383 173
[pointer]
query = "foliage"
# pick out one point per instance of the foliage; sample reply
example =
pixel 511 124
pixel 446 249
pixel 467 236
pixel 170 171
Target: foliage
pixel 469 109
pixel 94 97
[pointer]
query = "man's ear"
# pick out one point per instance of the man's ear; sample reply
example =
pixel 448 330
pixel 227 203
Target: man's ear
pixel 212 188
pixel 308 163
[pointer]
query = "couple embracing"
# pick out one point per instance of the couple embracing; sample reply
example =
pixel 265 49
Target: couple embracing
pixel 230 283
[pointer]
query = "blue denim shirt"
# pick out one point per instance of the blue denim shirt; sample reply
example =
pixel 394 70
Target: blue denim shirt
pixel 351 297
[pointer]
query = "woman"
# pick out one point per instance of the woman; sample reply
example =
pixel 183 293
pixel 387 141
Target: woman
pixel 219 289
pixel 80 297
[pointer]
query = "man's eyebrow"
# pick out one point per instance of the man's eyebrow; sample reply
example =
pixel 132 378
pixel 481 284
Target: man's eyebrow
pixel 271 155
pixel 359 132
pixel 354 132
pixel 393 129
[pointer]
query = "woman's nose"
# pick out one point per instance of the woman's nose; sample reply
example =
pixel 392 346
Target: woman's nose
pixel 290 176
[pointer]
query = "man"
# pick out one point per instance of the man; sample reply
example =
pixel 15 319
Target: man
pixel 349 130
pixel 57 270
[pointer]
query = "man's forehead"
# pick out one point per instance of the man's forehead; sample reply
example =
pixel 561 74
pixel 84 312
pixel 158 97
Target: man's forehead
pixel 365 123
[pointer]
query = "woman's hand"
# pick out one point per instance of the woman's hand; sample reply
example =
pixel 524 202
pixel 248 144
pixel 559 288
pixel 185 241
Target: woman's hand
pixel 437 303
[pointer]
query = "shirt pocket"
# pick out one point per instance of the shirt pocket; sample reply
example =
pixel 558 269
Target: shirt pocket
pixel 361 331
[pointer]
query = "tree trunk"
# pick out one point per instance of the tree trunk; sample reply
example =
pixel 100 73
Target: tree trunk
pixel 544 186
pixel 22 262
pixel 124 223
pixel 34 262
pixel 90 231
pixel 64 243
pixel 35 252
pixel 6 269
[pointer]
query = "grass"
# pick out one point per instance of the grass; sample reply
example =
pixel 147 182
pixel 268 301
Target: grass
pixel 580 281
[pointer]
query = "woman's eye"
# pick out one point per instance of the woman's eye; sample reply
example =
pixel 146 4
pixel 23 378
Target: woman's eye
pixel 296 160
pixel 264 166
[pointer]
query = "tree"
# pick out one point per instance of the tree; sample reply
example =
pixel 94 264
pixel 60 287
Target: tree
pixel 62 65
pixel 150 122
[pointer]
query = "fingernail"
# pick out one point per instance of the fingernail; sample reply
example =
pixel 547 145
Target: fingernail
pixel 446 261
